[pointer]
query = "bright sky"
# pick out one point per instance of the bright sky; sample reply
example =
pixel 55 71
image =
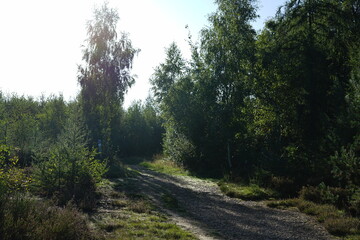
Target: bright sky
pixel 40 39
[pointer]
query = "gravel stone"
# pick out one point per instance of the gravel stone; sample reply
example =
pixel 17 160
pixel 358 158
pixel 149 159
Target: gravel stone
pixel 209 214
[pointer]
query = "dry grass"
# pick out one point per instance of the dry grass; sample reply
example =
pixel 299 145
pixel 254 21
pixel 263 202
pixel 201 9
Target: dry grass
pixel 334 220
pixel 24 218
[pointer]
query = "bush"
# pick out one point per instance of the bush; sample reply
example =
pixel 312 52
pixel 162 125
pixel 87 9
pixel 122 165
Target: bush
pixel 342 226
pixel 354 207
pixel 69 170
pixel 12 178
pixel 323 194
pixel 66 176
pixel 334 220
pixel 179 148
pixel 25 218
pixel 346 167
pixel 116 169
pixel 283 185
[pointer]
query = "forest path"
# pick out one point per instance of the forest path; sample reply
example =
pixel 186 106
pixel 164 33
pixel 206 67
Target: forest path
pixel 199 206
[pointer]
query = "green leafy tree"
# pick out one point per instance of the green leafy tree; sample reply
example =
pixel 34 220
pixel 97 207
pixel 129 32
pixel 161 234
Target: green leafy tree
pixel 52 117
pixel 167 85
pixel 302 76
pixel 201 101
pixel 168 73
pixel 142 130
pixel 20 126
pixel 105 76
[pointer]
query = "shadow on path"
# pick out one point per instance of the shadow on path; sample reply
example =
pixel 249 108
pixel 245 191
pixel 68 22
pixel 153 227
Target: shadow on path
pixel 211 215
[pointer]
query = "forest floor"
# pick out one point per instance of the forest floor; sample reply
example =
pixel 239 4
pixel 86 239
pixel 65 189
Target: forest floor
pixel 199 207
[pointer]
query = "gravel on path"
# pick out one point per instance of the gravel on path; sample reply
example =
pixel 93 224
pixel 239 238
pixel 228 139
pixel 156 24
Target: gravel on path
pixel 209 214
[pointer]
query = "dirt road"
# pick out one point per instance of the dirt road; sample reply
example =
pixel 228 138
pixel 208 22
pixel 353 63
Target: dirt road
pixel 205 211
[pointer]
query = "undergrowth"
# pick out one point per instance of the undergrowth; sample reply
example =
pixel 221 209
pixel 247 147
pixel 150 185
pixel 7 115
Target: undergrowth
pixel 22 217
pixel 131 215
pixel 246 192
pixel 166 166
pixel 334 220
pixel 117 169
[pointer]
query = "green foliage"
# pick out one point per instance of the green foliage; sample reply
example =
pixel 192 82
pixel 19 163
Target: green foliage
pixel 141 130
pixel 52 117
pixel 326 195
pixel 201 100
pixel 168 73
pixel 19 126
pixel 282 102
pixel 116 170
pixel 279 108
pixel 246 192
pixel 354 207
pixel 69 170
pixel 163 165
pixel 346 167
pixel 179 148
pixel 12 177
pixel 105 77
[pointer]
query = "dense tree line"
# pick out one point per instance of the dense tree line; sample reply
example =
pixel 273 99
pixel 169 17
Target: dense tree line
pixel 279 106
pixel 60 150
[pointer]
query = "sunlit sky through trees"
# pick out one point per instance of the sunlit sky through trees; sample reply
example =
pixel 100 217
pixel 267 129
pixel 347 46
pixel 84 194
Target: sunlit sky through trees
pixel 40 40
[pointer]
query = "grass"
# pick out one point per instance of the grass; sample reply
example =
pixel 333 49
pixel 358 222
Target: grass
pixel 133 216
pixel 165 166
pixel 117 169
pixel 141 226
pixel 246 192
pixel 334 220
pixel 171 202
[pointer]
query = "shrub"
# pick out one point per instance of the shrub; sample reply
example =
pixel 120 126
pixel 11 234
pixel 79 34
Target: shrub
pixel 12 178
pixel 346 167
pixel 319 194
pixel 327 195
pixel 69 170
pixel 283 185
pixel 355 204
pixel 334 220
pixel 67 176
pixel 116 169
pixel 26 218
pixel 179 148
pixel 342 226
